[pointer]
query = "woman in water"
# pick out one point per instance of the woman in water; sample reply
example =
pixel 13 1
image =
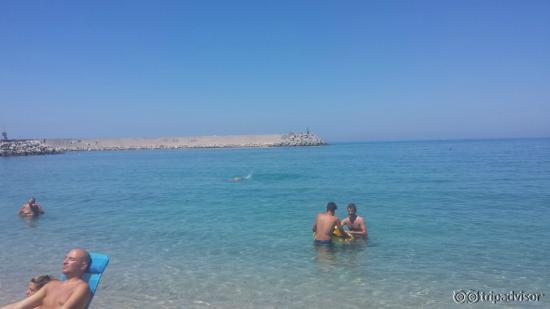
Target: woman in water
pixel 37 283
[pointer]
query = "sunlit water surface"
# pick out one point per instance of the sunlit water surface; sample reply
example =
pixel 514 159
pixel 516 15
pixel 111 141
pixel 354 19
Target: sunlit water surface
pixel 441 216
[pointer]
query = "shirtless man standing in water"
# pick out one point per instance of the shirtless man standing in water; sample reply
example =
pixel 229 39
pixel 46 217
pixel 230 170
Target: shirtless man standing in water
pixel 72 293
pixel 324 224
pixel 355 223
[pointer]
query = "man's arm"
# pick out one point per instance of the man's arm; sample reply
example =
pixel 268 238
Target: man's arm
pixel 40 209
pixel 341 228
pixel 345 222
pixel 22 210
pixel 79 298
pixel 30 302
pixel 362 228
pixel 314 228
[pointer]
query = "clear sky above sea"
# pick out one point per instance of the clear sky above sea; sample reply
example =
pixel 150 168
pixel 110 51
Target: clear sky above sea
pixel 348 70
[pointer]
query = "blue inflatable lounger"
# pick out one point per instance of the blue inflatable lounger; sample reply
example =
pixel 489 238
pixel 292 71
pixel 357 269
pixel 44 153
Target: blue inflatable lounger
pixel 94 272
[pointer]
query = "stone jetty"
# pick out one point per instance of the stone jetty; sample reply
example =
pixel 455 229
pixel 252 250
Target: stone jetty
pixel 300 139
pixel 49 146
pixel 25 148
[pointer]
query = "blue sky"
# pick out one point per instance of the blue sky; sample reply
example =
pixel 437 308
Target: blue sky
pixel 348 70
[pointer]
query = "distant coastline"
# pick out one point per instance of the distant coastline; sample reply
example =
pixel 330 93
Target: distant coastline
pixel 53 146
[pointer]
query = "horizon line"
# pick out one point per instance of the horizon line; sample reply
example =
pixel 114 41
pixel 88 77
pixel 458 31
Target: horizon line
pixel 438 139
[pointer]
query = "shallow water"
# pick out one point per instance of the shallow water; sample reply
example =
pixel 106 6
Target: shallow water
pixel 441 216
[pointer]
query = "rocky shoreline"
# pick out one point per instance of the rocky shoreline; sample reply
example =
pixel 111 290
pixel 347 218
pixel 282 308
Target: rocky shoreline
pixel 25 148
pixel 54 146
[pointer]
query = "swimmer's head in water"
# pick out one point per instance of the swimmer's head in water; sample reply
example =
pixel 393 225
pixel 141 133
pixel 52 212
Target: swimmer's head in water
pixel 31 289
pixel 331 206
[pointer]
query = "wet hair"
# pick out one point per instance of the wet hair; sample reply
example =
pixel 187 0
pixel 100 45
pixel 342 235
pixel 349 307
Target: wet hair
pixel 41 281
pixel 331 206
pixel 352 206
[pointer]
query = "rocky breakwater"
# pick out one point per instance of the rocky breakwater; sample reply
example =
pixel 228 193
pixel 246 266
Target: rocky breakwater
pixel 301 139
pixel 25 148
pixel 236 141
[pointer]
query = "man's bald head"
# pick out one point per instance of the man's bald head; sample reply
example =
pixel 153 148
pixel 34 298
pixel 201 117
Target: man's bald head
pixel 84 256
pixel 76 262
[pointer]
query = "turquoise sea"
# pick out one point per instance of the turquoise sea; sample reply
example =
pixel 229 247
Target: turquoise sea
pixel 442 216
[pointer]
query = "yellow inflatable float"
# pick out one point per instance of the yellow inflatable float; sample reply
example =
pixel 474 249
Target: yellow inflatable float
pixel 337 236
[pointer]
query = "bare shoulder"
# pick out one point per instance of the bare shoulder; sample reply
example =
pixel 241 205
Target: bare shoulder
pixel 52 284
pixel 83 284
pixel 79 295
pixel 80 283
pixel 80 289
pixel 72 285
